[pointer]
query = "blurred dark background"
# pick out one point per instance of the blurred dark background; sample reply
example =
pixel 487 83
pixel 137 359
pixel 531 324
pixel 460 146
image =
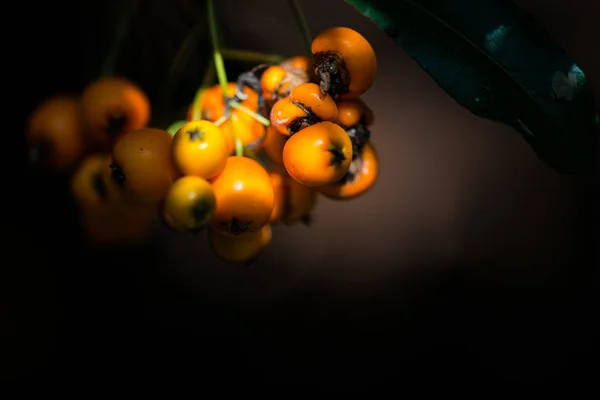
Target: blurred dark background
pixel 469 262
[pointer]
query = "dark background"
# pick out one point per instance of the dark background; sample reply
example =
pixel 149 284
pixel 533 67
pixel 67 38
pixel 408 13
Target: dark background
pixel 470 261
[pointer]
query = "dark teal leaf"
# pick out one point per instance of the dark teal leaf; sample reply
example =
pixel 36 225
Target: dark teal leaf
pixel 496 61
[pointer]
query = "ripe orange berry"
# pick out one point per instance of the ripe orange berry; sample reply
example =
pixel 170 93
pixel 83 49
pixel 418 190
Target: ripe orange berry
pixel 318 155
pixel 273 145
pixel 113 106
pixel 352 112
pixel 194 110
pixel 293 201
pixel 305 106
pixel 200 148
pixel 249 130
pixel 213 103
pixel 355 117
pixel 275 83
pixel 142 165
pixel 55 133
pixel 240 249
pixel 190 203
pixel 345 62
pixel 244 196
pixel 297 64
pixel 309 95
pixel 361 176
pixel 286 116
pixel 91 184
pixel 278 81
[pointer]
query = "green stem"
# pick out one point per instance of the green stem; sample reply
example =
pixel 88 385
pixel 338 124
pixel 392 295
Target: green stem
pixel 221 121
pixel 217 56
pixel 256 116
pixel 251 56
pixel 110 61
pixel 175 126
pixel 220 68
pixel 302 25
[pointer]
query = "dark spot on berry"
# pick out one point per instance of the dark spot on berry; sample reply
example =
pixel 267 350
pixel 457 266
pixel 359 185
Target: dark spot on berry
pixel 337 155
pixel 348 177
pixel 362 133
pixel 331 70
pixel 310 118
pixel 99 186
pixel 354 171
pixel 359 136
pixel 196 134
pixel 117 174
pixel 236 227
pixel 200 210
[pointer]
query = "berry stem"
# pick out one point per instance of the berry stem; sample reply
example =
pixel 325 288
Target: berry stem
pixel 251 56
pixel 220 69
pixel 217 56
pixel 110 61
pixel 256 116
pixel 221 121
pixel 302 25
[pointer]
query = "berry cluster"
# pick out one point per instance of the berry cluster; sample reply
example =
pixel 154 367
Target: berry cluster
pixel 75 133
pixel 251 153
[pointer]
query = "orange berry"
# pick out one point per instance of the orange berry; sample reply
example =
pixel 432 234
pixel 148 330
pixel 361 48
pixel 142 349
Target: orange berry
pixel 318 155
pixel 200 148
pixel 240 249
pixel 362 176
pixel 244 196
pixel 344 61
pixel 55 132
pixel 113 106
pixel 141 164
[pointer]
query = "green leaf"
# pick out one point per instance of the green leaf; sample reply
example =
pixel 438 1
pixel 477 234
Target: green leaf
pixel 175 126
pixel 496 61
